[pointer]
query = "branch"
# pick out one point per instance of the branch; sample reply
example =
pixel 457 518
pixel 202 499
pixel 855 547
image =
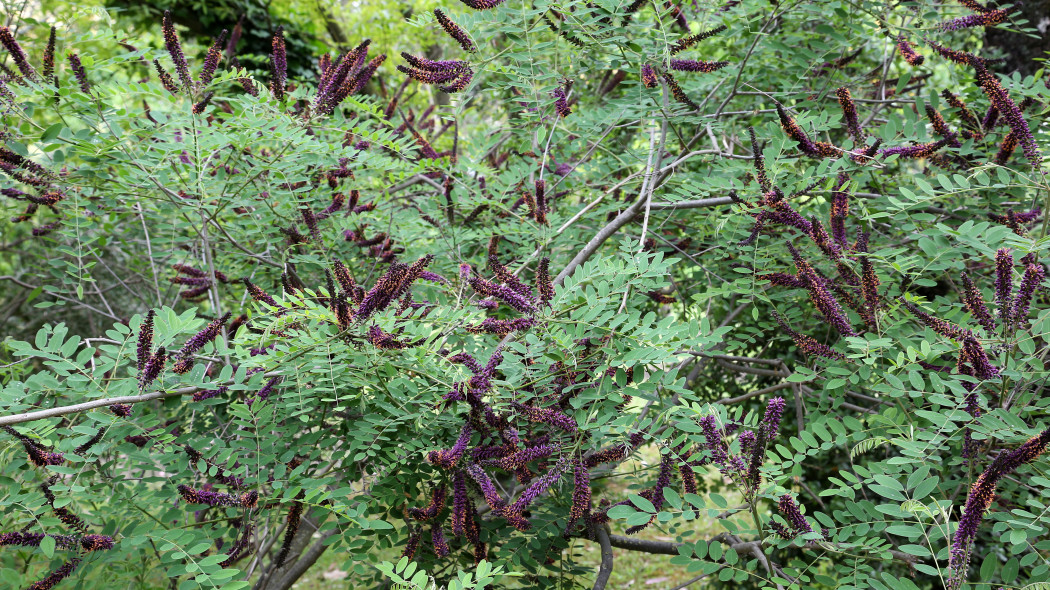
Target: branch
pixel 305 562
pixel 109 401
pixel 605 570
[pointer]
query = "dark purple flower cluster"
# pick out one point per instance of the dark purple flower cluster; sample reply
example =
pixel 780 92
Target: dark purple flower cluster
pixel 184 360
pixel 295 513
pixel 56 576
pixel 649 79
pixel 980 499
pixel 455 31
pixel 701 66
pixel 345 76
pixel 174 47
pixel 678 93
pixel 195 496
pixel 211 60
pixel 789 509
pixel 691 40
pixel 17 54
pixel 987 18
pixel 908 52
pixel 454 74
pixel 278 65
pixel 78 72
pixel 38 455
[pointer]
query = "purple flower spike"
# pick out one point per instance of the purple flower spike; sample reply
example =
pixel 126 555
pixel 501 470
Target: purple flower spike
pixel 17 54
pixel 185 356
pixel 989 18
pixel 975 304
pixel 482 4
pixel 770 426
pixel 79 72
pixel 1009 110
pixel 165 78
pixel 152 368
pixel 908 52
pixel 678 93
pixel 649 79
pixel 145 343
pixel 211 61
pixel 790 511
pixel 455 31
pixel 96 542
pixel 849 113
pixel 174 47
pixel 980 499
pixel 56 576
pixel 278 65
pixel 1032 279
pixel 548 416
pixel 821 297
pixel 690 65
pixel 808 344
pixel 581 492
pixel 1004 286
pixel 536 488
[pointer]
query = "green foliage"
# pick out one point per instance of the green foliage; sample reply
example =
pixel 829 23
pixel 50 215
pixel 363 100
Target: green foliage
pixel 482 423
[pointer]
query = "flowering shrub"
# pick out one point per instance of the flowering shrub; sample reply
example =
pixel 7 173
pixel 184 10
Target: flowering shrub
pixel 442 310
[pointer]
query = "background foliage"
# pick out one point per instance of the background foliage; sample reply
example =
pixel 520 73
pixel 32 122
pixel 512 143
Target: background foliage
pixel 754 321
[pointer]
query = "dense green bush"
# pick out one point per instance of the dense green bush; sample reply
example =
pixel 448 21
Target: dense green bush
pixel 437 305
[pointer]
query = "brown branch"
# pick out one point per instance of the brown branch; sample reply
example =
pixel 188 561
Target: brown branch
pixel 605 570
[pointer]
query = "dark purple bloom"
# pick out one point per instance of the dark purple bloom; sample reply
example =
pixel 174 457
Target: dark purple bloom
pixel 502 327
pixel 278 65
pixel 152 368
pixel 529 495
pixel 174 47
pixel 975 304
pixel 849 113
pixel 96 542
pixel 921 150
pixel 49 59
pixel 165 78
pixel 942 327
pixel 482 4
pixel 121 410
pixel 678 93
pixel 211 61
pixel 56 576
pixel 79 72
pixel 980 499
pixel 1004 264
pixel 908 52
pixel 447 458
pixel 1009 110
pixel 988 18
pixel 547 416
pixel 821 297
pixel 145 341
pixel 455 31
pixel 561 104
pixel 437 537
pixel 184 361
pixel 488 490
pixel 295 513
pixel 649 79
pixel 770 425
pixel 687 42
pixel 807 344
pixel 17 54
pixel 789 509
pixel 690 65
pixel 1030 281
